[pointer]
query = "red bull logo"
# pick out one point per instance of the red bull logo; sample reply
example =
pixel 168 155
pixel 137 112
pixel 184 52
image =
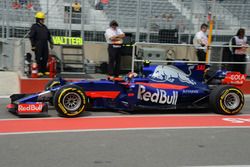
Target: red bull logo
pixel 160 96
pixel 170 74
pixel 30 108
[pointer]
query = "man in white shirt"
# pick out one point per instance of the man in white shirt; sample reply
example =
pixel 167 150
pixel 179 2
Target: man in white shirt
pixel 114 37
pixel 200 42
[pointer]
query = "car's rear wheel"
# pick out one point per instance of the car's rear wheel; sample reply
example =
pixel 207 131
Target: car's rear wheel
pixel 70 101
pixel 226 100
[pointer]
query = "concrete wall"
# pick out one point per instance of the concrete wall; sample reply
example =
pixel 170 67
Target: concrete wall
pixel 9 83
pixel 6 52
pixel 96 51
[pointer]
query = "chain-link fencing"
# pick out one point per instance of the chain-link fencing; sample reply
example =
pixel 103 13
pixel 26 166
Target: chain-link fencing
pixel 220 57
pixel 174 21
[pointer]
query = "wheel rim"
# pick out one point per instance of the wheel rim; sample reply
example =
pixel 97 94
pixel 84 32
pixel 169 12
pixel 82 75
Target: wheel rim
pixel 72 101
pixel 231 101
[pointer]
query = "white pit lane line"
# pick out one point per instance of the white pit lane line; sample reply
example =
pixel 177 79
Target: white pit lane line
pixel 4 96
pixel 221 166
pixel 122 129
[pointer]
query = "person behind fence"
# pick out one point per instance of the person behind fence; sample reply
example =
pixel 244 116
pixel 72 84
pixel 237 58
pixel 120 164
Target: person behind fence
pixel 114 37
pixel 239 49
pixel 200 42
pixel 39 37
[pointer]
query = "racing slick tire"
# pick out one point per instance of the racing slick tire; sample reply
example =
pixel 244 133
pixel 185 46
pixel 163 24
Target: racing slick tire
pixel 226 100
pixel 52 84
pixel 70 101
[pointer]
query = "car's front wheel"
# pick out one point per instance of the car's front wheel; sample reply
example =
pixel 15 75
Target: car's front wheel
pixel 226 100
pixel 70 101
pixel 52 84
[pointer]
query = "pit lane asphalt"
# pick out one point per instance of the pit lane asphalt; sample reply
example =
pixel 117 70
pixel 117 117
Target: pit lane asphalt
pixel 130 148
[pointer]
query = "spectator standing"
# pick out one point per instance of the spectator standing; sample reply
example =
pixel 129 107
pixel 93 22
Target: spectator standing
pixel 200 42
pixel 114 37
pixel 39 37
pixel 239 52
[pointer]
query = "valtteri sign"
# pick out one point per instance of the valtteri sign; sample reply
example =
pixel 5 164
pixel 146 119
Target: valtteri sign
pixel 61 40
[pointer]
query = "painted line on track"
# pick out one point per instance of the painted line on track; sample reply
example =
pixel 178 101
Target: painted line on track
pixel 123 129
pixel 121 116
pixel 221 166
pixel 4 96
pixel 120 123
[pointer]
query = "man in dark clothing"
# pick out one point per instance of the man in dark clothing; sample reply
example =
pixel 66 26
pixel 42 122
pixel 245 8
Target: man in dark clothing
pixel 39 37
pixel 239 41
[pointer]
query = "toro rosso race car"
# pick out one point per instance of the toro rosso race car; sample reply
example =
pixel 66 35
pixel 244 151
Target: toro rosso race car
pixel 174 86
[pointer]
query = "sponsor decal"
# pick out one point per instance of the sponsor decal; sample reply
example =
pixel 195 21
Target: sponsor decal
pixel 200 67
pixel 237 77
pixel 190 91
pixel 30 108
pixel 170 74
pixel 234 78
pixel 160 96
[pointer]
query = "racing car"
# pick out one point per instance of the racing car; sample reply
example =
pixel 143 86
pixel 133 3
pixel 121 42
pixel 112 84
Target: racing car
pixel 178 85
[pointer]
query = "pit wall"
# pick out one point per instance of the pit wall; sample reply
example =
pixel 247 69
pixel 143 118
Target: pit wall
pixel 93 51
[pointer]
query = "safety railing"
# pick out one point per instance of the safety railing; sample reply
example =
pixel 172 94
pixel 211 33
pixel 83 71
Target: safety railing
pixel 163 53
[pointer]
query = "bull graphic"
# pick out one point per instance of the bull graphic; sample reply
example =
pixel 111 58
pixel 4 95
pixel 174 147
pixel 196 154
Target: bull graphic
pixel 170 74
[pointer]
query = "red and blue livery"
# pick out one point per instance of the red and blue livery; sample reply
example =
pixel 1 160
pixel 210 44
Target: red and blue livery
pixel 158 87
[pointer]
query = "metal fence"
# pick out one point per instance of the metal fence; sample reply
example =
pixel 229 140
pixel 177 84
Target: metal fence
pixel 220 56
pixel 142 18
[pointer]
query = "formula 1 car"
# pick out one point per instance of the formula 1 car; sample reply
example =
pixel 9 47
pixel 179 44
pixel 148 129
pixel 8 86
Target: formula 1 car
pixel 158 87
